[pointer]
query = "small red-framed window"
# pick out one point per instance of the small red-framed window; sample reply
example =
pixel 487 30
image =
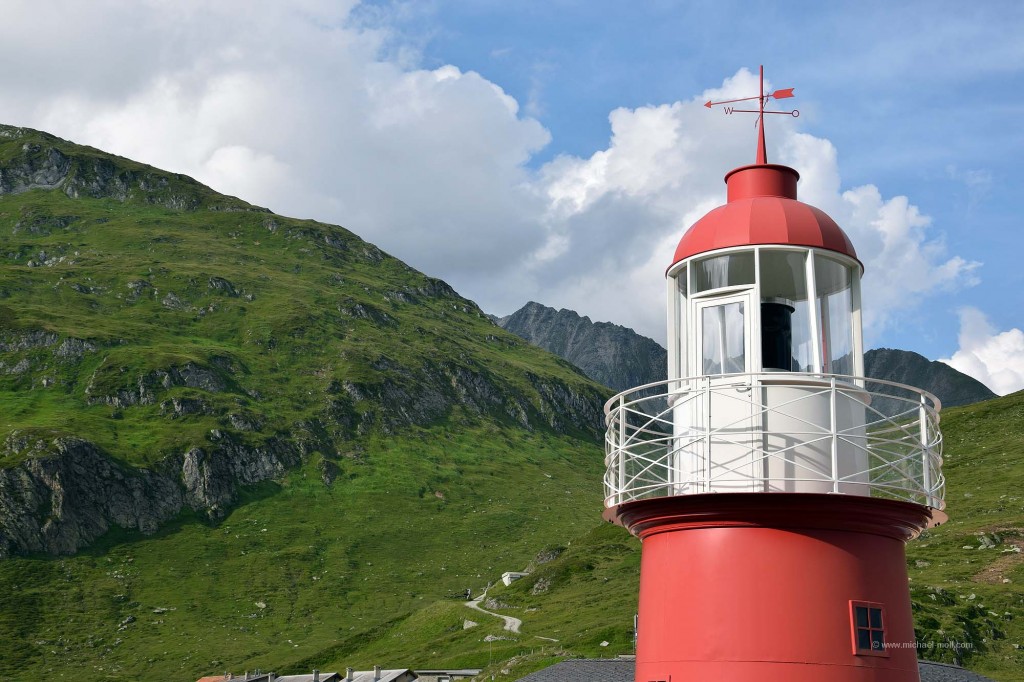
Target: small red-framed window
pixel 867 621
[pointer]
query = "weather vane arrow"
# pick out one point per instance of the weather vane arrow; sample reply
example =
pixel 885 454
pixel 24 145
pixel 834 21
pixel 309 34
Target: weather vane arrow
pixel 762 99
pixel 778 94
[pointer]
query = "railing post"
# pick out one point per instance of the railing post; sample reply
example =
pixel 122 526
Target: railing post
pixel 619 449
pixel 707 434
pixel 835 439
pixel 926 465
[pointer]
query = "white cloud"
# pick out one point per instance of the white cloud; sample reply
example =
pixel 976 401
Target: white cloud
pixel 996 359
pixel 295 108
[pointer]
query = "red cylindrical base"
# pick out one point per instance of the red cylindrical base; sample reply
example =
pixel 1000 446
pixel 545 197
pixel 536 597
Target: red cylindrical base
pixel 762 587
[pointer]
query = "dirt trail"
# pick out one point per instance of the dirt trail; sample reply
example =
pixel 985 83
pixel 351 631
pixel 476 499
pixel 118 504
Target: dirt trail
pixel 511 624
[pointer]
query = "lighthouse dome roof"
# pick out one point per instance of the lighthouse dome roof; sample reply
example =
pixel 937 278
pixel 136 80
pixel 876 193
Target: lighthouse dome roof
pixel 763 209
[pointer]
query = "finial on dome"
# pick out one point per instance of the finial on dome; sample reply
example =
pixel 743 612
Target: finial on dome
pixel 762 152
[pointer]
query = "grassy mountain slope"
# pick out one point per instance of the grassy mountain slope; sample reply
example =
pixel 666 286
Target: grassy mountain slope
pixel 270 438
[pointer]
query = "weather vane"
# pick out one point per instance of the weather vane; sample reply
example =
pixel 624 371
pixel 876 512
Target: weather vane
pixel 762 99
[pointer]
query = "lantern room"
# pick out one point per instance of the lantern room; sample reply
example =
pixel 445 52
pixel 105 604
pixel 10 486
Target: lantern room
pixel 764 283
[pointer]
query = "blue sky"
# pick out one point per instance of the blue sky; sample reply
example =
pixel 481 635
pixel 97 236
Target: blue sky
pixel 554 151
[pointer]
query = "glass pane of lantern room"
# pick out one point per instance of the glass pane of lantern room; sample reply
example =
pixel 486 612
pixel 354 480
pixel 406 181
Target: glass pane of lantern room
pixel 834 301
pixel 785 312
pixel 682 342
pixel 728 270
pixel 723 347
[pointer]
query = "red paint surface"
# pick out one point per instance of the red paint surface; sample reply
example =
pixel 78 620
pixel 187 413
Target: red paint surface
pixel 763 209
pixel 758 586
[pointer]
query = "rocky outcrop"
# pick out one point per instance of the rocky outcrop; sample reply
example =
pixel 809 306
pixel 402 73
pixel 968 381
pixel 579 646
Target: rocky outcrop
pixel 65 493
pixel 39 168
pixel 28 340
pixel 211 476
pixel 182 407
pixel 143 388
pixel 45 161
pixel 223 286
pixel 430 394
pixel 566 409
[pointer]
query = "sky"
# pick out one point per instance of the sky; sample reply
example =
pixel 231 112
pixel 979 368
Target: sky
pixel 557 150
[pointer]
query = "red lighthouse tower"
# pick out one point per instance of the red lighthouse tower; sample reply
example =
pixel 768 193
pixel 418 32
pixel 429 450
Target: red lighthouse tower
pixel 772 485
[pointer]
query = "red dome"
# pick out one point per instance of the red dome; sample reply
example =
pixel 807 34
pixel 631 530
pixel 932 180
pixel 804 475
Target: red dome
pixel 763 209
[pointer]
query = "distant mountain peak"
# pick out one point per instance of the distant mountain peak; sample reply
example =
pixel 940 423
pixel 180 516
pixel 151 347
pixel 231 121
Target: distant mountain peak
pixel 616 356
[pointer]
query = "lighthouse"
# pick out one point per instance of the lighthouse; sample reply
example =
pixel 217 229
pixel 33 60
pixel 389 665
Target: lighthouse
pixel 773 487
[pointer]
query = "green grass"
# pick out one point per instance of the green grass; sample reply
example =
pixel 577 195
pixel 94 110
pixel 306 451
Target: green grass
pixel 357 573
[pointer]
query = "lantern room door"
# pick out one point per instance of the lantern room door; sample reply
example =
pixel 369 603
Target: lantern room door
pixel 726 458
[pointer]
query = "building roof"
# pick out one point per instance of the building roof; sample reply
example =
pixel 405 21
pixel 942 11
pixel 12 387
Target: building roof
pixel 943 672
pixel 586 670
pixel 457 672
pixel 621 670
pixel 357 676
pixel 763 209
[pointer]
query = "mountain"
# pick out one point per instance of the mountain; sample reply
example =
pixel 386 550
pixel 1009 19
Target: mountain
pixel 615 356
pixel 620 358
pixel 162 344
pixel 231 439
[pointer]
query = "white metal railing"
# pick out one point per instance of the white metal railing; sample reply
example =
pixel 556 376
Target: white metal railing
pixel 774 432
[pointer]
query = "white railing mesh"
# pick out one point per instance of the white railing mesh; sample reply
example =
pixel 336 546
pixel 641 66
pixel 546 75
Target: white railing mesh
pixel 774 432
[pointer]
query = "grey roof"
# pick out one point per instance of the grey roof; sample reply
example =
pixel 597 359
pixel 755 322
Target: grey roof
pixel 357 676
pixel 324 677
pixel 943 672
pixel 586 670
pixel 621 670
pixel 459 672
